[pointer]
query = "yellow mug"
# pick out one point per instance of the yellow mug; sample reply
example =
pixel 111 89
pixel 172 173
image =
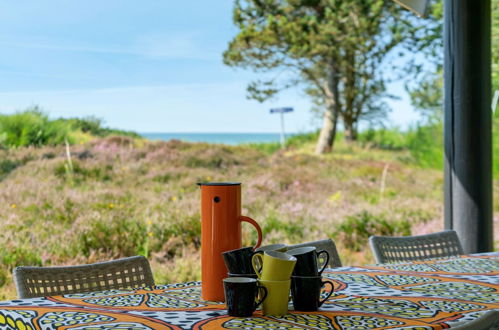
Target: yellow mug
pixel 278 297
pixel 275 266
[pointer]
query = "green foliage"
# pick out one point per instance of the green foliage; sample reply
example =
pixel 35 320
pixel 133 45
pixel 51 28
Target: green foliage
pixel 3 276
pixel 297 140
pixel 119 236
pixel 292 141
pixel 7 166
pixel 495 145
pixel 80 173
pixel 356 229
pixel 266 148
pixel 495 44
pixel 427 96
pixel 212 159
pixel 426 145
pixel 291 230
pixel 384 138
pixel 32 127
pixel 19 256
pixel 93 126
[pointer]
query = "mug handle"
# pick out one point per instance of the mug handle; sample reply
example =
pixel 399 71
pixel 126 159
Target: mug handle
pixel 330 292
pixel 258 303
pixel 257 226
pixel 258 264
pixel 327 260
pixel 254 263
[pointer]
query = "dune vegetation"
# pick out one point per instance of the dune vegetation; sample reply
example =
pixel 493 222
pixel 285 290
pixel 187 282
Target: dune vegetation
pixel 118 196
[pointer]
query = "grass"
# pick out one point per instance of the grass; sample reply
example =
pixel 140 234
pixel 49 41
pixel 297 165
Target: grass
pixel 124 196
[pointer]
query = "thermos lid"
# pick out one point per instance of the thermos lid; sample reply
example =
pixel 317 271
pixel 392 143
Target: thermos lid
pixel 219 183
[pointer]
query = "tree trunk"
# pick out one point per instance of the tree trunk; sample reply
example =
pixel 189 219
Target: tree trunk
pixel 328 131
pixel 332 101
pixel 350 131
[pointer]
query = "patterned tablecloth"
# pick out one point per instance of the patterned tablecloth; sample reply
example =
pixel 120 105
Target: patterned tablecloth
pixel 421 295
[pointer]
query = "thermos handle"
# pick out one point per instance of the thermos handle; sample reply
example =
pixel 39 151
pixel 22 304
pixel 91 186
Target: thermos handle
pixel 258 229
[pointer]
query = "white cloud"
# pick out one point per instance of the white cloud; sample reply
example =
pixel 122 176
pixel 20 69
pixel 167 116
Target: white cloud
pixel 190 46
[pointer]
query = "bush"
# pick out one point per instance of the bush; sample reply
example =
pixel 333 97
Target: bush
pixel 79 173
pixel 119 237
pixel 7 166
pixel 32 128
pixel 93 126
pixel 495 144
pixel 266 148
pixel 292 231
pixel 19 256
pixel 427 146
pixel 355 230
pixel 384 138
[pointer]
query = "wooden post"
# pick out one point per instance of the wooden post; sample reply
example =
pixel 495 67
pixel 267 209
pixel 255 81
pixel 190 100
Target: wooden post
pixel 468 120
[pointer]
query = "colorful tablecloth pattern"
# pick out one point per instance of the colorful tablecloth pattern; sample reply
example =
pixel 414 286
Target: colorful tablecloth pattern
pixel 435 294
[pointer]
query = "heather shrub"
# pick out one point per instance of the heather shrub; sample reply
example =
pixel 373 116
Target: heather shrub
pixel 3 276
pixel 119 236
pixel 212 158
pixel 80 173
pixel 356 229
pixel 13 256
pixel 290 229
pixel 7 166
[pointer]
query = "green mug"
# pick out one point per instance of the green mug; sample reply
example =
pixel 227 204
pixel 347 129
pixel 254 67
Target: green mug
pixel 278 297
pixel 275 266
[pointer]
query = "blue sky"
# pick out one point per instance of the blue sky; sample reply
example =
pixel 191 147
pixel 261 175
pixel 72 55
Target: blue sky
pixel 148 66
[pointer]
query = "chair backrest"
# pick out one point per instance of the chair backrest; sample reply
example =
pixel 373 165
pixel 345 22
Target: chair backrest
pixel 123 273
pixel 388 249
pixel 325 244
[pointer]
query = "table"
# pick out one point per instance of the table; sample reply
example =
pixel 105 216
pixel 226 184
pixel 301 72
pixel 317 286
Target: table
pixel 433 294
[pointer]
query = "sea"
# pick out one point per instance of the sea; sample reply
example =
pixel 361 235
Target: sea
pixel 221 138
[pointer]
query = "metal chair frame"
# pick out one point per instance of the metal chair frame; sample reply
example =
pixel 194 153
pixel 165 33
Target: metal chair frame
pixel 325 244
pixel 389 249
pixel 117 274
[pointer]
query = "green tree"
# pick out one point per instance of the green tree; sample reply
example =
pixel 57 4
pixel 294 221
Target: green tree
pixel 427 95
pixel 335 49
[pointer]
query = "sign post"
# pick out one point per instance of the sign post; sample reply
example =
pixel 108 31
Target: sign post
pixel 282 111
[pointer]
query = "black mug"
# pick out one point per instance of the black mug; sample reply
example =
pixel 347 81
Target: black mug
pixel 239 261
pixel 242 275
pixel 241 294
pixel 306 261
pixel 306 292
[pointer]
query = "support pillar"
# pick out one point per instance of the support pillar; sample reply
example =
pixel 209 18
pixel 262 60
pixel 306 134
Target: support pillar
pixel 468 123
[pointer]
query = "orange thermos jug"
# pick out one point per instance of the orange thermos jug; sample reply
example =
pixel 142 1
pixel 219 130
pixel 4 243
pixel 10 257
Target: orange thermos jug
pixel 220 231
